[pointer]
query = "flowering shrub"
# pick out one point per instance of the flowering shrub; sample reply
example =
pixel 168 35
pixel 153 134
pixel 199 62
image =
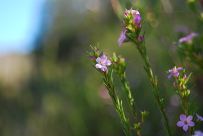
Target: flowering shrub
pixel 131 32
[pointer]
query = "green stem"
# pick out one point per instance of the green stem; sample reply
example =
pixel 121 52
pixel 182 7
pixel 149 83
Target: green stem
pixel 154 82
pixel 128 95
pixel 127 92
pixel 108 82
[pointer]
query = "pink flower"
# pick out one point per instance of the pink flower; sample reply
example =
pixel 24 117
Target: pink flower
pixel 187 38
pixel 185 122
pixel 174 72
pixel 122 38
pixel 102 63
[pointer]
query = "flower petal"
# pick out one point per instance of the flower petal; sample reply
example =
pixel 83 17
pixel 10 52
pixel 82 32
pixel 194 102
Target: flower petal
pixel 189 118
pixel 183 117
pixel 98 66
pixel 104 57
pixel 171 70
pixel 187 38
pixel 108 62
pixel 137 18
pixel 103 68
pixel 191 124
pixel 199 118
pixel 170 76
pixel 98 60
pixel 179 68
pixel 180 123
pixel 185 127
pixel 198 133
pixel 122 37
pixel 176 74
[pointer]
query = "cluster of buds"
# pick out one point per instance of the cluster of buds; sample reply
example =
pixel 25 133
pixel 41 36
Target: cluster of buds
pixel 180 81
pixel 119 64
pixel 131 20
pixel 100 60
pixel 131 26
pixel 95 53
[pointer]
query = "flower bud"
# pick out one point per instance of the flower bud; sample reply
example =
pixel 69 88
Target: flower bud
pixel 124 20
pixel 144 115
pixel 182 87
pixel 187 93
pixel 184 76
pixel 92 58
pixel 123 27
pixel 175 84
pixel 140 38
pixel 122 59
pixel 139 26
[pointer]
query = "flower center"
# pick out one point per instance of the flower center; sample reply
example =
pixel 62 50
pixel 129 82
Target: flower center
pixel 102 62
pixel 174 70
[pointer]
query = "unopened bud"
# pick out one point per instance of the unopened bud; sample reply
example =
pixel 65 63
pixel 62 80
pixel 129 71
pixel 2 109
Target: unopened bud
pixel 184 76
pixel 144 115
pixel 124 20
pixel 139 26
pixel 123 27
pixel 122 59
pixel 140 38
pixel 92 58
pixel 187 93
pixel 182 86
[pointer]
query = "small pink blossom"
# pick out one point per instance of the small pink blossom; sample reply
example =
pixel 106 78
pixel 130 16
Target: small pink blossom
pixel 185 122
pixel 102 63
pixel 174 72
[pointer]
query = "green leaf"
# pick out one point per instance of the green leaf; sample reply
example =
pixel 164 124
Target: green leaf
pixel 188 78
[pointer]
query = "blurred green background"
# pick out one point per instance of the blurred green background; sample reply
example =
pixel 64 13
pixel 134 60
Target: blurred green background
pixel 54 91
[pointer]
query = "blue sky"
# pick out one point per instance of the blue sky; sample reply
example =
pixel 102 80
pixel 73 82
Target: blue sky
pixel 19 22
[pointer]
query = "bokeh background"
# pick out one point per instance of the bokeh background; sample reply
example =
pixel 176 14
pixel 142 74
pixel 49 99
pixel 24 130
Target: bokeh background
pixel 47 84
